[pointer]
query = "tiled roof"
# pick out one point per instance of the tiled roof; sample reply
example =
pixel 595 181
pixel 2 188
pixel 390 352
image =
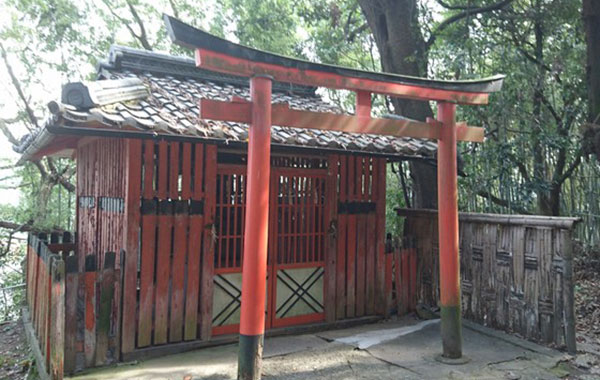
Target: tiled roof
pixel 175 87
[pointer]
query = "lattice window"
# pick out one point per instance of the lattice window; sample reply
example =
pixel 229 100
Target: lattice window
pixel 230 214
pixel 300 219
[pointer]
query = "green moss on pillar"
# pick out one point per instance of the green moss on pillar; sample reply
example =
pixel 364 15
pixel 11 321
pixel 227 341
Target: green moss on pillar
pixel 250 357
pixel 451 331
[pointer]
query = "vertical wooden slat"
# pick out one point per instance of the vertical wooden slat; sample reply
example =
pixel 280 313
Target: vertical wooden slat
pixel 379 188
pixel 186 171
pixel 148 169
pixel 206 287
pixel 340 298
pixel 71 295
pixel 371 249
pixel 351 268
pixel 174 170
pixel 148 251
pixel 107 292
pixel 57 320
pixel 332 237
pixel 131 244
pixel 163 170
pixel 90 311
pixel 361 229
pixel 163 270
pixel 178 271
pixel 193 276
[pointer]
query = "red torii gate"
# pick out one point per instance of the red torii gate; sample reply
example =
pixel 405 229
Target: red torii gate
pixel 262 68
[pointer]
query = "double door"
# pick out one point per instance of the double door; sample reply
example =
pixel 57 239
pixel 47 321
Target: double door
pixel 297 242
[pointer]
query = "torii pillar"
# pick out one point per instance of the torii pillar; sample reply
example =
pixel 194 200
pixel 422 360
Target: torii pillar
pixel 256 232
pixel 450 303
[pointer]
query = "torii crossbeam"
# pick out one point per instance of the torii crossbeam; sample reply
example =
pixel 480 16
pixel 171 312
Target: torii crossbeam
pixel 216 54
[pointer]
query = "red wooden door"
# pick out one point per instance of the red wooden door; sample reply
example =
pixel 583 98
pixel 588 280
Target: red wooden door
pixel 298 228
pixel 296 261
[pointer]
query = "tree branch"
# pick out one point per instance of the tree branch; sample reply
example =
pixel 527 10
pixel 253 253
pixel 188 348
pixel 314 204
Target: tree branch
pixel 459 16
pixel 502 202
pixel 143 37
pixel 17 85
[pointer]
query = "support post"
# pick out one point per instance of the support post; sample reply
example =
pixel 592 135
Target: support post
pixel 448 233
pixel 254 270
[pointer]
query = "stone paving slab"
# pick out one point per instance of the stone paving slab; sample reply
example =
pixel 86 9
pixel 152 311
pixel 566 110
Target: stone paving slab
pixel 323 356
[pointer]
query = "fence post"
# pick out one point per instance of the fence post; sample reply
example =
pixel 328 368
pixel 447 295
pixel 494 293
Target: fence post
pixel 57 318
pixel 90 311
pixel 71 307
pixel 569 292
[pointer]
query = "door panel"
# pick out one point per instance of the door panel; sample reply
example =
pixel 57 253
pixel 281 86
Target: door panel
pixel 297 238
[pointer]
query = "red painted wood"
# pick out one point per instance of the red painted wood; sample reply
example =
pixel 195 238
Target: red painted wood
pixel 299 320
pixel 252 319
pixel 163 277
pixel 186 171
pixel 148 252
pixel 388 283
pixel 71 295
pixel 448 208
pixel 380 183
pixel 284 116
pixel 149 167
pixel 371 248
pixel 400 304
pixel 341 246
pixel 90 318
pixel 206 287
pixel 174 170
pixel 361 250
pixel 163 169
pixel 190 330
pixel 198 171
pixel 351 268
pixel 332 224
pixel 406 291
pixel 413 278
pixel 131 243
pixel 238 66
pixel 178 277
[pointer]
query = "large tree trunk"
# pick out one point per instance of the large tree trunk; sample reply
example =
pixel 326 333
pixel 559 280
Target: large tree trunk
pixel 591 134
pixel 591 17
pixel 395 27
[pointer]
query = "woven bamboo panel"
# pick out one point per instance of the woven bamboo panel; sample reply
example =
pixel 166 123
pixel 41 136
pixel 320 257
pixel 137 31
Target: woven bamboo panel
pixel 515 275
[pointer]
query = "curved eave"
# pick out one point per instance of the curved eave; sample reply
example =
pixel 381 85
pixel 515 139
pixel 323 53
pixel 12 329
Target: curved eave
pixel 226 56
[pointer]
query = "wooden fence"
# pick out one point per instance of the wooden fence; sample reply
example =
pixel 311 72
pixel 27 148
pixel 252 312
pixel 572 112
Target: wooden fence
pixel 516 271
pixel 72 317
pixel 45 299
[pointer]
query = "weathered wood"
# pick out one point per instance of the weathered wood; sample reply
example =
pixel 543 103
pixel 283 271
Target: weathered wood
pixel 106 286
pixel 533 220
pixel 361 251
pixel 379 183
pixel 131 244
pixel 515 273
pixel 90 311
pixel 57 318
pixel 206 281
pixel 71 307
pixel 331 239
pixel 340 264
pixel 178 270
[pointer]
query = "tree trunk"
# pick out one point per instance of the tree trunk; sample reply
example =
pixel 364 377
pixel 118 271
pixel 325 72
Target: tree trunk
pixel 395 27
pixel 591 17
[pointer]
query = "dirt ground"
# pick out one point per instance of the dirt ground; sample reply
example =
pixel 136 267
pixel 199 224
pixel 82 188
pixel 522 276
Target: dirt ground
pixel 15 361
